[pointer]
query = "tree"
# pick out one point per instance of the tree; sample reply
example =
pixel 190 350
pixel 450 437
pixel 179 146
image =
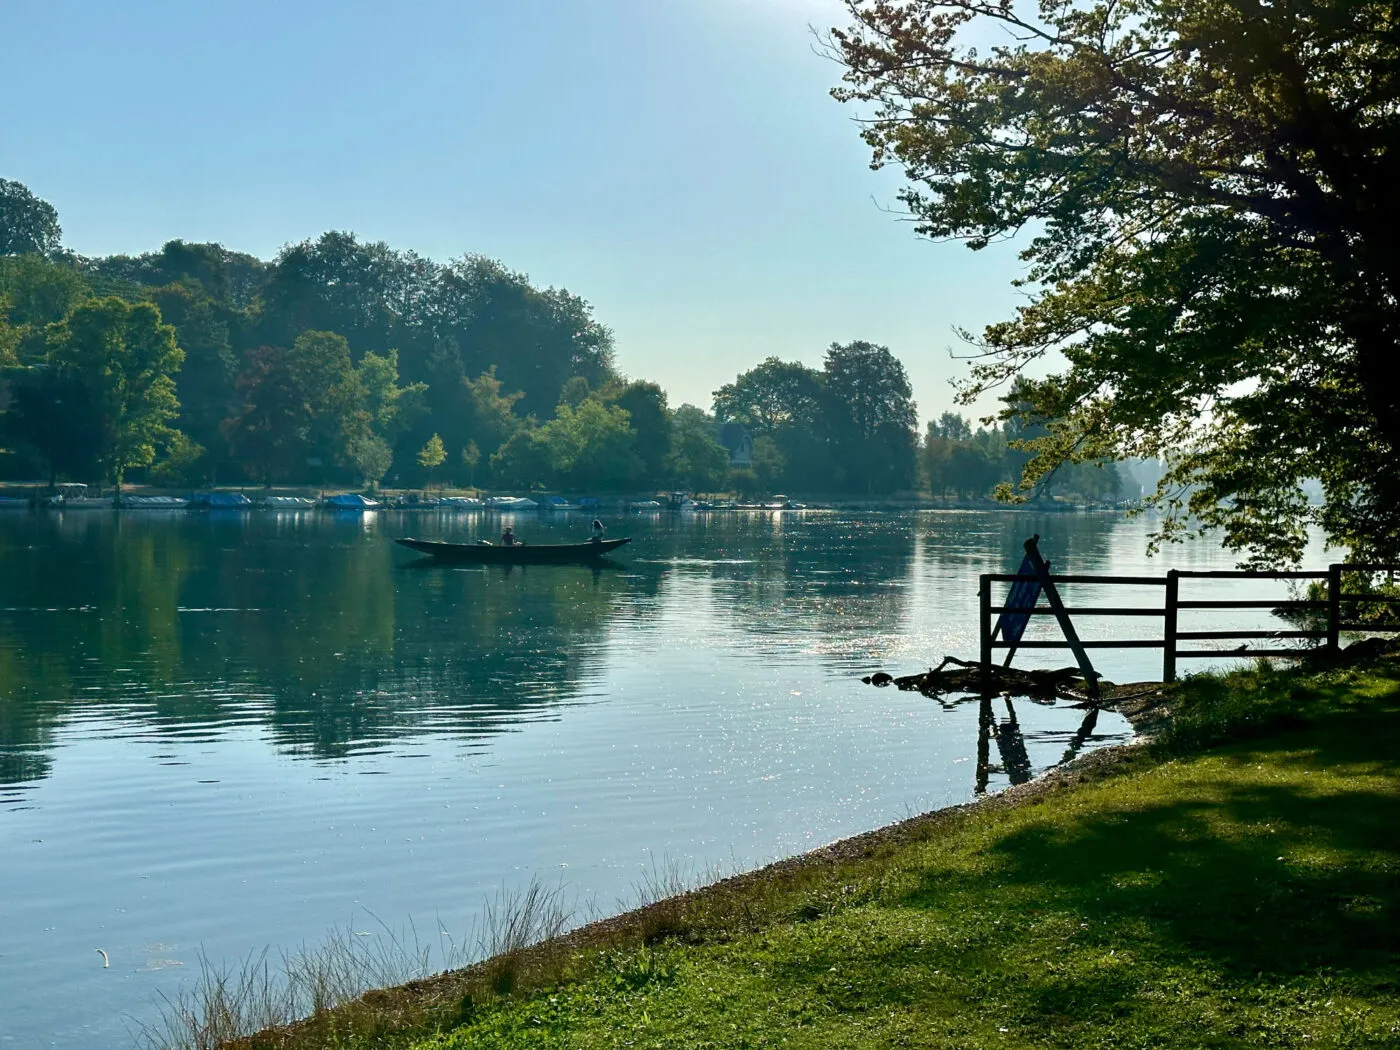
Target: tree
pixel 28 225
pixel 772 395
pixel 392 409
pixel 535 339
pixel 431 455
pixel 9 336
pixel 182 464
pixel 1212 186
pixel 124 357
pixel 592 447
pixel 52 412
pixel 371 456
pixel 471 458
pixel 524 459
pixel 40 292
pixel 870 417
pixel 205 385
pixel 698 462
pixel 650 419
pixel 304 406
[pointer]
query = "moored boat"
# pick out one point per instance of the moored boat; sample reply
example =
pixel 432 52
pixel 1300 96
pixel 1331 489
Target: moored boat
pixel 288 502
pixel 515 553
pixel 221 501
pixel 152 503
pixel 351 501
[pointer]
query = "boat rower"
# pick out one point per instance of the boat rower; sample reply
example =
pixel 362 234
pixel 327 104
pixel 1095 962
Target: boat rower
pixel 508 537
pixel 598 531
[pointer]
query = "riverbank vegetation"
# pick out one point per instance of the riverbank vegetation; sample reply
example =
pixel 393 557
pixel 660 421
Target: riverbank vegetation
pixel 352 363
pixel 1233 882
pixel 1206 193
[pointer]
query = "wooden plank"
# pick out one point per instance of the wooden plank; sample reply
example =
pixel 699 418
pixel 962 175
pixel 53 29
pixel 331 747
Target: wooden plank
pixel 1281 603
pixel 1363 627
pixel 1375 599
pixel 1085 611
pixel 1334 606
pixel 1246 574
pixel 1369 567
pixel 1093 643
pixel 1169 627
pixel 1201 635
pixel 1244 654
pixel 984 605
pixel 1141 581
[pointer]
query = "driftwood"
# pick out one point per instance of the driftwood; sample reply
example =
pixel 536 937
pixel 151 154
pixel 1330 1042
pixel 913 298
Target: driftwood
pixel 969 676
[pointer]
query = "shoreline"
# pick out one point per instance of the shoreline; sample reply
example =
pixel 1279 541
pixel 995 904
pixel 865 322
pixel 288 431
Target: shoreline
pixel 1146 712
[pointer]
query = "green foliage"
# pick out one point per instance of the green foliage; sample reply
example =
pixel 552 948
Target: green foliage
pixel 372 457
pixel 772 395
pixel 870 418
pixel 9 336
pixel 52 412
pixel 28 225
pixel 591 448
pixel 432 454
pixel 392 409
pixel 183 465
pixel 124 357
pixel 697 461
pixel 650 419
pixel 769 463
pixel 205 385
pixel 956 461
pixel 40 292
pixel 1211 186
pixel 523 460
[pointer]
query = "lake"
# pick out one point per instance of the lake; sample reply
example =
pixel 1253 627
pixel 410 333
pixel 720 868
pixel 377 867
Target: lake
pixel 226 731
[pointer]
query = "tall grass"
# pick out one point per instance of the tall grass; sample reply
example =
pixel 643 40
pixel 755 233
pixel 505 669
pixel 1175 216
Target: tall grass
pixel 228 1002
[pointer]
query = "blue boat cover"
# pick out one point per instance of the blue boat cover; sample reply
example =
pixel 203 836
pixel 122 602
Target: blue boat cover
pixel 351 501
pixel 223 499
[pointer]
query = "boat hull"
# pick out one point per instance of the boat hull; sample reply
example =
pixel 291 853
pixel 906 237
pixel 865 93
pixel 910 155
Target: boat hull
pixel 517 553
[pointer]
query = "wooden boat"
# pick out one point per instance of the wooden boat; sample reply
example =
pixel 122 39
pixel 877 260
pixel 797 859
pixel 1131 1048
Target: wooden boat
pixel 516 553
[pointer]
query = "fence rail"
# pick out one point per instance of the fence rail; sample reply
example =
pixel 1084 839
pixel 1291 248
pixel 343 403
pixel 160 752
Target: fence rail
pixel 1334 604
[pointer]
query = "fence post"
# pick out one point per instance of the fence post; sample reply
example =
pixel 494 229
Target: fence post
pixel 984 630
pixel 1169 628
pixel 1334 607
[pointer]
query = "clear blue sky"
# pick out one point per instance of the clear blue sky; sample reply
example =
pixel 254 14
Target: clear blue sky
pixel 678 163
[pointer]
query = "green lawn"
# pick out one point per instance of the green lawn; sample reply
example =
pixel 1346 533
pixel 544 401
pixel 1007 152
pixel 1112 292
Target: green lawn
pixel 1246 896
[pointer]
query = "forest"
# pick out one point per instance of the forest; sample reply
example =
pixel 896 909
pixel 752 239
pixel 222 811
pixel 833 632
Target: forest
pixel 345 362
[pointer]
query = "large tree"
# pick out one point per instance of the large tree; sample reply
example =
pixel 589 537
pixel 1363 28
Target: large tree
pixel 1207 191
pixel 123 358
pixel 28 225
pixel 869 418
pixel 771 395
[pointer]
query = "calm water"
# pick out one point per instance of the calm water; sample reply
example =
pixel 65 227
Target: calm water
pixel 224 733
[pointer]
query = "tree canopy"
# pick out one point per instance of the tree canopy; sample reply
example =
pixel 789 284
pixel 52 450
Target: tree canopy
pixel 28 225
pixel 1206 189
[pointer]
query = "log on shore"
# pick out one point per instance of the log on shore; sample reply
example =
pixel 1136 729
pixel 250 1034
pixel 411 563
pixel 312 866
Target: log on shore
pixel 967 676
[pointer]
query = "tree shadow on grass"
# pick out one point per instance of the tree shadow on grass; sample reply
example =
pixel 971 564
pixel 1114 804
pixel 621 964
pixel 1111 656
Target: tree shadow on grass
pixel 1258 872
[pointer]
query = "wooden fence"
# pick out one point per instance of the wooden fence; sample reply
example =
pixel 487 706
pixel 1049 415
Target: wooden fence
pixel 1340 614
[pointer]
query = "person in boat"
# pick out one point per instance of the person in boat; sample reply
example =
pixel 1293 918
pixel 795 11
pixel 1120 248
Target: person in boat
pixel 598 531
pixel 508 537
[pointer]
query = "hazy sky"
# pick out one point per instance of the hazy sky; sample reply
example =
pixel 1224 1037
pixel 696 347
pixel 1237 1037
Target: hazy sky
pixel 678 163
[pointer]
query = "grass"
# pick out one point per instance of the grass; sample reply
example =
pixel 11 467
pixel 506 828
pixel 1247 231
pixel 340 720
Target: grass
pixel 1235 884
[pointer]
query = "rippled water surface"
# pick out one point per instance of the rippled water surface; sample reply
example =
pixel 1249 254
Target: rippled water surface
pixel 220 733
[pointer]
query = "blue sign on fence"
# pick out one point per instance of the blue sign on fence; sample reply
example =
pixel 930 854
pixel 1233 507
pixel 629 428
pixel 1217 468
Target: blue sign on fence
pixel 1023 595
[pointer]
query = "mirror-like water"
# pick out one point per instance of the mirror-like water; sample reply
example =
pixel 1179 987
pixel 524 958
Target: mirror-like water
pixel 228 732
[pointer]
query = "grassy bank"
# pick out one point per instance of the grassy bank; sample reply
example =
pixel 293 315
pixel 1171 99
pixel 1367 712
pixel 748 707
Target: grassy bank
pixel 1235 883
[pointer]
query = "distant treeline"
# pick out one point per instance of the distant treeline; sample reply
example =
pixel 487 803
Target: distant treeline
pixel 351 363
